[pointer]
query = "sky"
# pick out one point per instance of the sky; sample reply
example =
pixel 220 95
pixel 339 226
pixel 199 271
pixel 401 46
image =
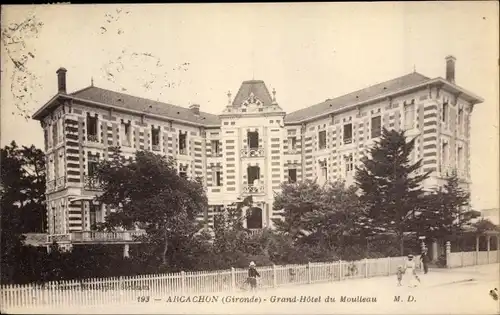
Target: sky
pixel 308 52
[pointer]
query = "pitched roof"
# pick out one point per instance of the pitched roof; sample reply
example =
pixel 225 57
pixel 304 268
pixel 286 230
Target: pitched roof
pixel 127 101
pixel 358 96
pixel 259 90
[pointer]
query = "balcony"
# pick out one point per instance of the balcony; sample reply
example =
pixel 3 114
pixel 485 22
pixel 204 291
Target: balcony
pixel 92 138
pixel 447 171
pixel 60 182
pixel 156 147
pixel 183 151
pixel 292 151
pixel 253 189
pixel 252 152
pixel 51 185
pixel 347 140
pixel 91 183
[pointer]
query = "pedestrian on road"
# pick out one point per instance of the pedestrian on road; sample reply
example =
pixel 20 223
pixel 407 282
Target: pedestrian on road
pixel 424 258
pixel 400 275
pixel 252 276
pixel 411 271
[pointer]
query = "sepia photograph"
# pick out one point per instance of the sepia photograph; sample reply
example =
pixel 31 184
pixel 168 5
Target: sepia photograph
pixel 250 158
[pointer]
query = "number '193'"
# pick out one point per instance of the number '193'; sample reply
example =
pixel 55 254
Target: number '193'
pixel 143 299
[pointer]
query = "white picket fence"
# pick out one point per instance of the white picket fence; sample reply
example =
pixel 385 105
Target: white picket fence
pixel 464 259
pixel 133 289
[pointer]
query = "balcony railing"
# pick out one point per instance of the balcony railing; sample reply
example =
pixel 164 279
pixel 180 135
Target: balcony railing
pixel 183 151
pixel 92 138
pixel 252 152
pixel 60 182
pixel 253 189
pixel 92 183
pixel 448 171
pixel 347 140
pixel 156 147
pixel 92 236
pixel 51 185
pixel 292 151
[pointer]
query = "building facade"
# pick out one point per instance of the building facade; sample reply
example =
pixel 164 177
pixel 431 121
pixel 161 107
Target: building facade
pixel 253 145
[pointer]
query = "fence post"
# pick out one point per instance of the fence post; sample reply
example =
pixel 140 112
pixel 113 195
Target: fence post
pixel 366 267
pixel 309 276
pixel 120 283
pixel 462 258
pixel 275 278
pixel 183 282
pixel 448 254
pixel 341 269
pixel 233 279
pixel 389 266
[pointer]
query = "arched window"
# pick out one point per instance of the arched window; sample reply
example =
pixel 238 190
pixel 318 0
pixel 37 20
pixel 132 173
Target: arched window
pixel 254 218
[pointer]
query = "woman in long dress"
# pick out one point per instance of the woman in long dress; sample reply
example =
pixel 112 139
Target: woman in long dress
pixel 411 272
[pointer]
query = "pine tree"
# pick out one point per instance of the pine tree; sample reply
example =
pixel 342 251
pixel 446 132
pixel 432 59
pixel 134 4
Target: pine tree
pixel 447 210
pixel 390 185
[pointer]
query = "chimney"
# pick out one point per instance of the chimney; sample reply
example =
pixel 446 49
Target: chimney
pixel 61 80
pixel 450 69
pixel 195 108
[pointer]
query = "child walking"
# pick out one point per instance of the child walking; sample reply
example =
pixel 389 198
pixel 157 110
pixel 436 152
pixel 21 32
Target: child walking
pixel 399 274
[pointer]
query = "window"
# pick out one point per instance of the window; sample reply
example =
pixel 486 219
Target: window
pixel 215 147
pixel 349 165
pixel 182 143
pixel 253 174
pixel 322 139
pixel 323 171
pixel 254 218
pixel 376 127
pixel 92 166
pixel 460 119
pixel 46 138
pixel 183 171
pixel 253 139
pixel 92 129
pixel 292 175
pixel 54 133
pixel 155 138
pixel 56 166
pixel 218 181
pixel 347 133
pixel 445 155
pixel 126 134
pixel 460 159
pixel 93 215
pixel 444 115
pixel 409 116
pixel 292 141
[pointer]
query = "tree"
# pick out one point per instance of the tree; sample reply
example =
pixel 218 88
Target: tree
pixel 22 201
pixel 319 220
pixel 390 185
pixel 148 191
pixel 295 200
pixel 447 210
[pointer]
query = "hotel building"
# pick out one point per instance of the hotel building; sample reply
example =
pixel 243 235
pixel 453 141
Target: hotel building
pixel 251 147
